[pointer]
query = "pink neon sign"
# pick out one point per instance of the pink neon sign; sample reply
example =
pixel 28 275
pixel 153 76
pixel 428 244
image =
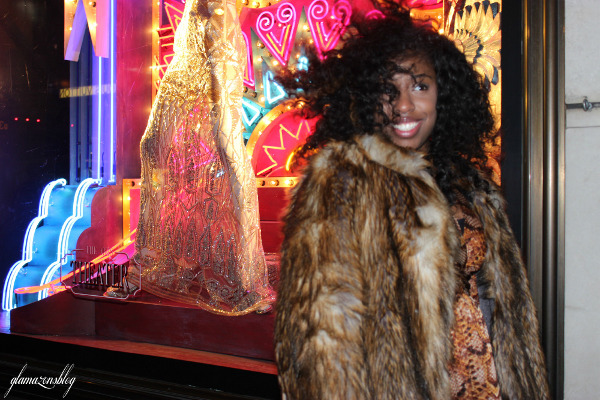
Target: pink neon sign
pixel 327 27
pixel 277 26
pixel 422 3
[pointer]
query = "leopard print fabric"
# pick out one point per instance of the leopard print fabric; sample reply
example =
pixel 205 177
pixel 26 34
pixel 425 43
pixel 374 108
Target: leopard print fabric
pixel 472 370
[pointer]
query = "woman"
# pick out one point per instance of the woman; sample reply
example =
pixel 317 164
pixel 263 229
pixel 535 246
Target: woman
pixel 400 276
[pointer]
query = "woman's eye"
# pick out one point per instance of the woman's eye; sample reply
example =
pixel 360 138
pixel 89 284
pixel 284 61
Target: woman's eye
pixel 421 86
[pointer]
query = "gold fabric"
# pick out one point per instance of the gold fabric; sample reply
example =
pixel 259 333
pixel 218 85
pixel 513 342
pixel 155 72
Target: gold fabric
pixel 198 239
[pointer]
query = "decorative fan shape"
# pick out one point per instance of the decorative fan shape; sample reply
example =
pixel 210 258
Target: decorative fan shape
pixel 477 34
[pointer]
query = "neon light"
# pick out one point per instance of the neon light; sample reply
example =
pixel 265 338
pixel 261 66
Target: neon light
pixel 65 233
pixel 99 121
pixel 277 44
pixel 174 12
pixel 249 72
pixel 282 143
pixel 126 245
pixel 374 14
pixel 319 18
pixel 173 9
pixel 27 252
pixel 113 52
pixel 273 91
pixel 302 63
pixel 285 22
pixel 251 112
pixel 422 3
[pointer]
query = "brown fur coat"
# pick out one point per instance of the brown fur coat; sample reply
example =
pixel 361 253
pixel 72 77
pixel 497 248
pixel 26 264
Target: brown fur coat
pixel 367 283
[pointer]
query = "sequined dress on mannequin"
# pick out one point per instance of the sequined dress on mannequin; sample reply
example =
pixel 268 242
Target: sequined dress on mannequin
pixel 198 238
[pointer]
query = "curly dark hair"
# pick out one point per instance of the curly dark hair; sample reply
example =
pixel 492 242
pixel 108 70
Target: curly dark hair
pixel 345 91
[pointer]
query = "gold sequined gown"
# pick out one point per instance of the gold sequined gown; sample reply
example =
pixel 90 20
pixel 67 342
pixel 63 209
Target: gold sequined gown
pixel 198 238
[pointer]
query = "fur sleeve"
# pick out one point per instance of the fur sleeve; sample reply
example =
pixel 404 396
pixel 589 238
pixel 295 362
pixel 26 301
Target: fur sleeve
pixel 515 334
pixel 318 340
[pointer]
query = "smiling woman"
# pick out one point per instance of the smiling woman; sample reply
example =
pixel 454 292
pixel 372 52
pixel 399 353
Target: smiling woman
pixel 410 110
pixel 400 275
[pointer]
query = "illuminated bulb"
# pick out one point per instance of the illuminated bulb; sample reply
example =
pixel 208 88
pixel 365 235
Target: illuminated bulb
pixel 262 99
pixel 274 183
pixel 311 41
pixel 275 63
pixel 305 27
pixel 439 17
pixel 219 11
pixel 441 31
pixel 288 182
pixel 256 4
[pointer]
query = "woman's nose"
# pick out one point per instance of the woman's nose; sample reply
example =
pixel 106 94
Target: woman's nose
pixel 404 103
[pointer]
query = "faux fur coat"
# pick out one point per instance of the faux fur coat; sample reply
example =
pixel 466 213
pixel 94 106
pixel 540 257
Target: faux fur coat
pixel 367 284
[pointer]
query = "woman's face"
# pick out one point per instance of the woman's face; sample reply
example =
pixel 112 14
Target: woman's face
pixel 412 111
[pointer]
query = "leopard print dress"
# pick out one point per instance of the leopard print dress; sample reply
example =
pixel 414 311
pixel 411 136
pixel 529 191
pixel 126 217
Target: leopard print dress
pixel 472 370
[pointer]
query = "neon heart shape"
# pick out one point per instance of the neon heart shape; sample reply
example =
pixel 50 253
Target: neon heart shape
pixel 278 32
pixel 326 27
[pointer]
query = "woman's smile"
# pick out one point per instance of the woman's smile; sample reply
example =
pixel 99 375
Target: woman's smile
pixel 407 128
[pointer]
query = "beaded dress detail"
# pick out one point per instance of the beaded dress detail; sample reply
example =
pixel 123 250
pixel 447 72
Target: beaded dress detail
pixel 198 238
pixel 472 371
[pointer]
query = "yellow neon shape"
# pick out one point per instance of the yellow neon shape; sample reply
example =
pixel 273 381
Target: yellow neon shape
pixel 284 41
pixel 282 128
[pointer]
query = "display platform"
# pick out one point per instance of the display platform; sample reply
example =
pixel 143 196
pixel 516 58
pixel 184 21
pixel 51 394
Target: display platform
pixel 144 347
pixel 147 318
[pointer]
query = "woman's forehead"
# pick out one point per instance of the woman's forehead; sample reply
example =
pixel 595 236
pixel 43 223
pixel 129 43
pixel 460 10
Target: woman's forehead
pixel 413 65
